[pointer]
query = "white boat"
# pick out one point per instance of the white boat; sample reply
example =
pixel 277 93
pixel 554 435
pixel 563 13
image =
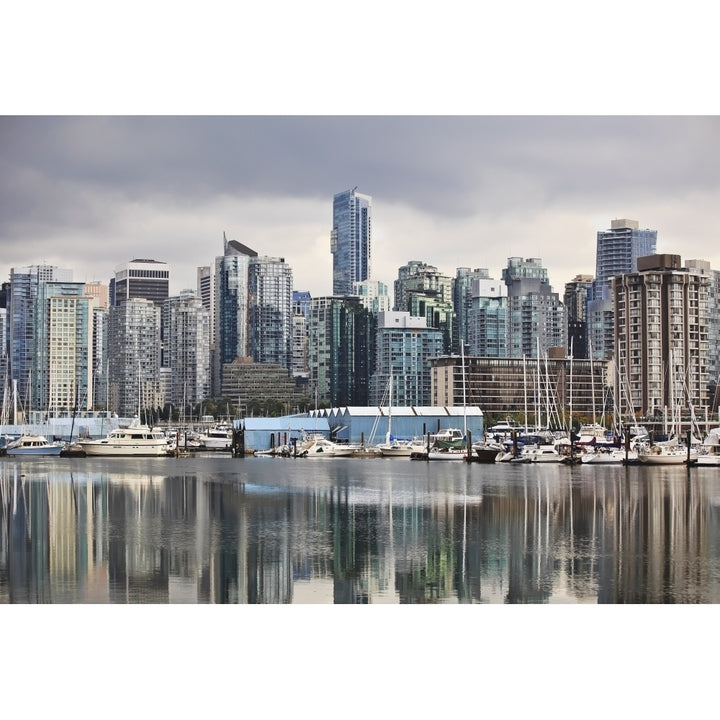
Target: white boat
pixel 401 448
pixel 218 437
pixel 540 454
pixel 710 450
pixel 136 440
pixel 608 456
pixel 33 445
pixel 670 452
pixel 451 453
pixel 449 438
pixel 320 447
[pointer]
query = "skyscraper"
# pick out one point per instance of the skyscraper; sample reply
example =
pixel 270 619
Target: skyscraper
pixel 350 240
pixel 617 252
pixel 187 346
pixel 149 279
pixel 231 307
pixel 134 356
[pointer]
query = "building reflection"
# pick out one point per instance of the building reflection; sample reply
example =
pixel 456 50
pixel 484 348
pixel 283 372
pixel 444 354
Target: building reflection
pixel 557 534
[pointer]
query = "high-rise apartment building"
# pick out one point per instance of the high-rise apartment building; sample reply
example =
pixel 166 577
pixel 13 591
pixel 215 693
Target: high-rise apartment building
pixel 24 284
pixel 661 339
pixel 62 377
pixel 301 300
pixel 187 346
pixel 100 357
pixel 404 346
pixel 270 311
pixel 351 240
pixel 487 318
pixel 462 296
pixel 617 252
pixel 134 357
pixel 536 316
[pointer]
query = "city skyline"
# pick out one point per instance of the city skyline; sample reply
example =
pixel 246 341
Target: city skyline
pixel 91 193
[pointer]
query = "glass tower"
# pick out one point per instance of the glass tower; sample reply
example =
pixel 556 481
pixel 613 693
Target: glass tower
pixel 350 240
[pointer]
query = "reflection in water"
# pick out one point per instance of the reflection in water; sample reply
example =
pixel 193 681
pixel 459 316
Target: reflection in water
pixel 258 530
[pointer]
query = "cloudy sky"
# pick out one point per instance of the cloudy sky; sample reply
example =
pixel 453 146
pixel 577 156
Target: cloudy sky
pixel 93 192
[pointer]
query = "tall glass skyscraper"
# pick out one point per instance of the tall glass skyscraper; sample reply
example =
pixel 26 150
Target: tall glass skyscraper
pixel 350 240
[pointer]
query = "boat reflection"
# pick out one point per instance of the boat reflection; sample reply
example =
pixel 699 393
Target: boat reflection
pixel 258 531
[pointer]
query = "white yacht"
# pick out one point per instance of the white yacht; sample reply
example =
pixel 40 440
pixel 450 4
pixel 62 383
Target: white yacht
pixel 218 437
pixel 319 446
pixel 136 440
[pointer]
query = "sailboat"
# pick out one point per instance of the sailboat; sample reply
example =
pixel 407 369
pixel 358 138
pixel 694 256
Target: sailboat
pixel 393 446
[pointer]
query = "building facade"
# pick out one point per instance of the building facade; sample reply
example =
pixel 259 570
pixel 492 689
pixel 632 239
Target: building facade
pixel 270 284
pixel 617 252
pixel 62 372
pixel 536 319
pixel 134 357
pixel 661 340
pixel 404 346
pixel 351 240
pixel 341 350
pixel 187 346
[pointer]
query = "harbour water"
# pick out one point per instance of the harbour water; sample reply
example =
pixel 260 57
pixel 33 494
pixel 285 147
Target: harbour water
pixel 217 529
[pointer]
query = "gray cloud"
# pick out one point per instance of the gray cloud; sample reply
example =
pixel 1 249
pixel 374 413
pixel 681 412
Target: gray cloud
pixel 105 189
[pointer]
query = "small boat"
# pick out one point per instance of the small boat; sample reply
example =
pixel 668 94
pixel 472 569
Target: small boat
pixel 488 452
pixel 609 456
pixel 319 446
pixel 33 445
pixel 136 440
pixel 442 453
pixel 710 450
pixel 401 448
pixel 218 437
pixel 449 438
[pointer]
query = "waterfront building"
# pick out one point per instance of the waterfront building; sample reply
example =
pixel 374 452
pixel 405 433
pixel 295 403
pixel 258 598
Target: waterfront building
pixel 134 357
pixel 617 252
pixel 24 284
pixel 575 300
pixel 270 311
pixel 62 377
pixel 341 350
pixel 187 346
pixel 486 326
pixel 373 295
pixel 661 339
pixel 231 307
pixel 351 240
pixel 539 392
pixel 404 346
pixel 536 318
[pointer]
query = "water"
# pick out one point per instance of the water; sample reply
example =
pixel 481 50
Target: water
pixel 213 529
